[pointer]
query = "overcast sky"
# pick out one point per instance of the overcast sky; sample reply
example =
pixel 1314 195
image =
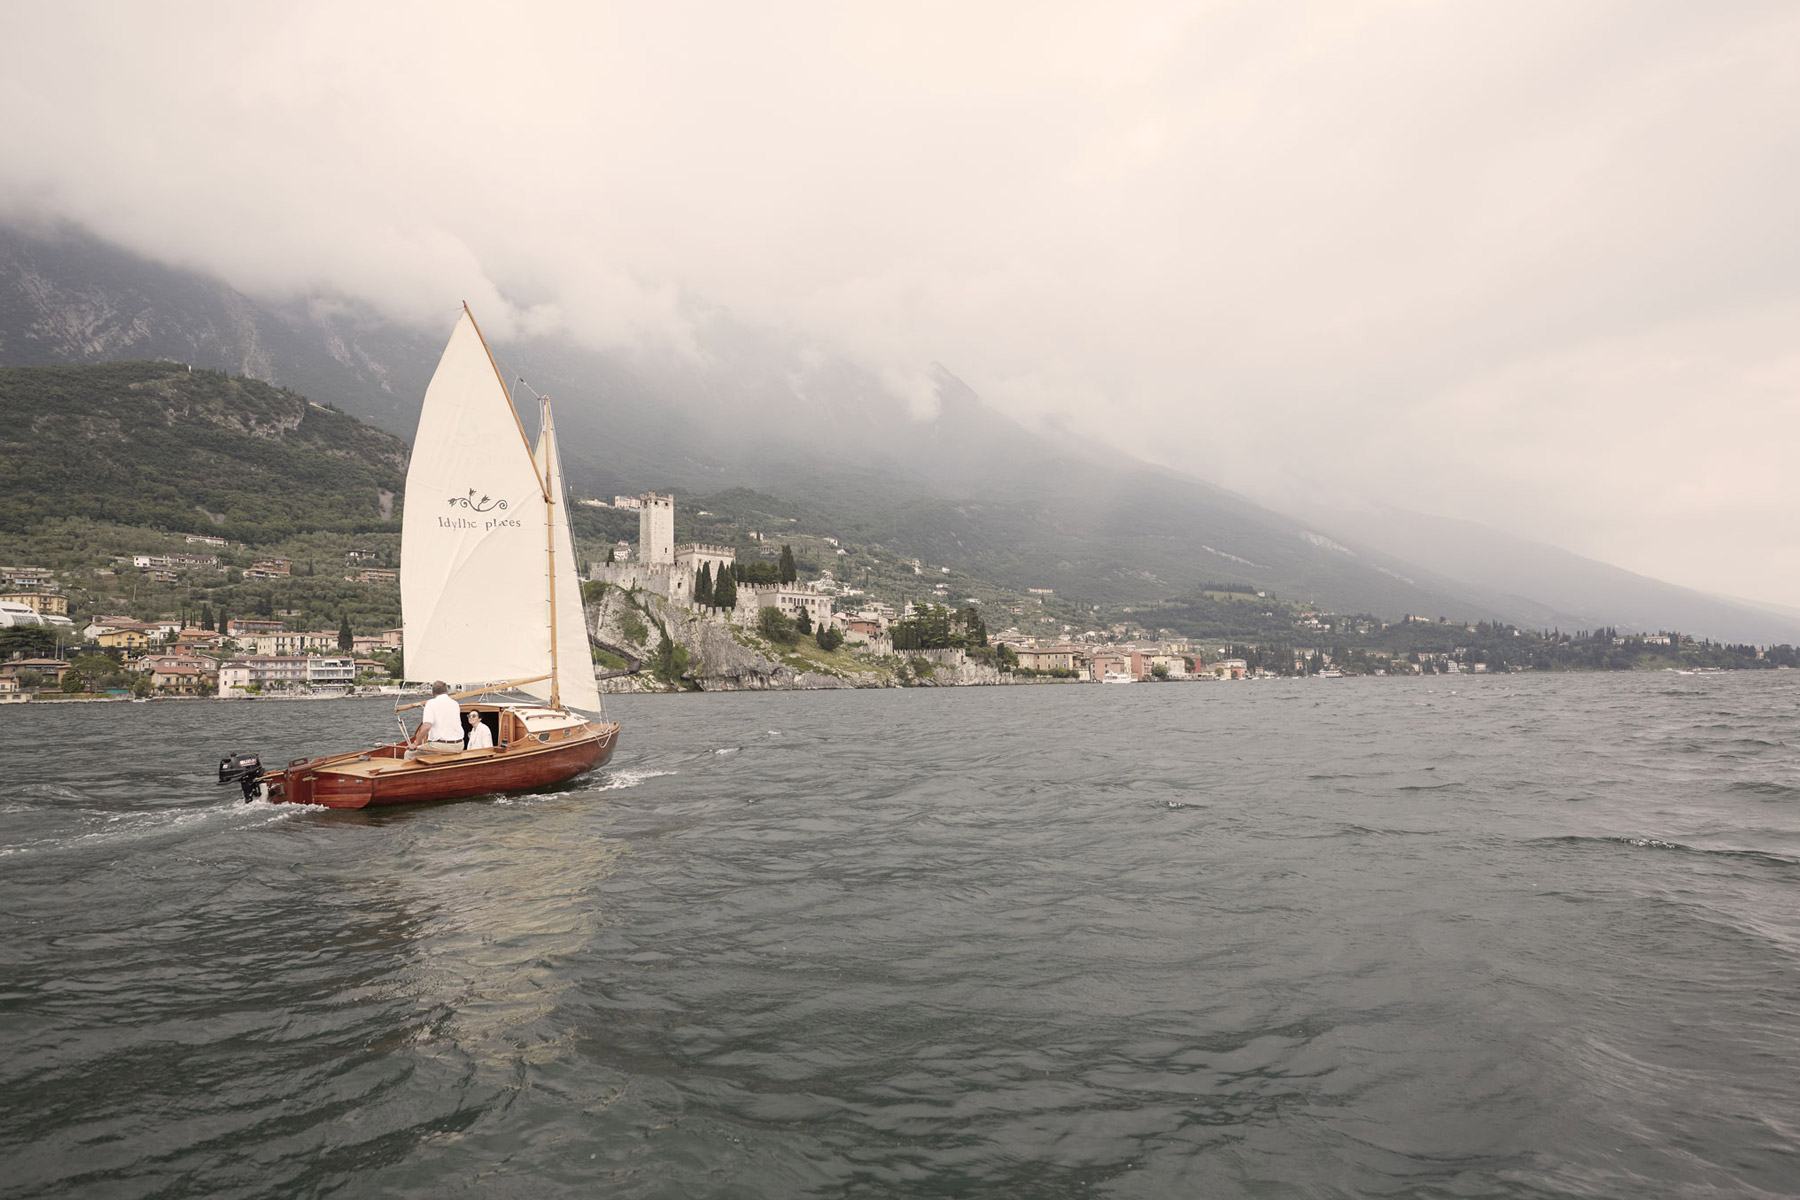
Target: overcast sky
pixel 1534 265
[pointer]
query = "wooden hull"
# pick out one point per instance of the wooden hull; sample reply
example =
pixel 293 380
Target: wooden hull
pixel 383 775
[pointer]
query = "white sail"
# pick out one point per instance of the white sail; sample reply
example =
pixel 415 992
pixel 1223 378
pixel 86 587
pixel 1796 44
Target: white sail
pixel 574 663
pixel 474 578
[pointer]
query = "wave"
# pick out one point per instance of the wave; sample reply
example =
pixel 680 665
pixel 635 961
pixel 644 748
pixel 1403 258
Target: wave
pixel 1764 787
pixel 1767 857
pixel 629 779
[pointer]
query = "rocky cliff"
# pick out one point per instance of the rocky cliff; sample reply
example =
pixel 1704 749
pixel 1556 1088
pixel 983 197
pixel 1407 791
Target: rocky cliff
pixel 719 657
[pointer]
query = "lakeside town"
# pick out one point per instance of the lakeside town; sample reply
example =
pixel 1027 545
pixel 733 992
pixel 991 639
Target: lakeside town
pixel 52 653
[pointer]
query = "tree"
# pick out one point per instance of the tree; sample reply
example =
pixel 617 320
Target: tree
pixel 612 556
pixel 703 586
pixel 803 622
pixel 1159 670
pixel 776 625
pixel 27 641
pixel 74 681
pixel 828 638
pixel 669 661
pixel 789 573
pixel 725 591
pixel 30 679
pixel 345 638
pixel 206 617
pixel 224 620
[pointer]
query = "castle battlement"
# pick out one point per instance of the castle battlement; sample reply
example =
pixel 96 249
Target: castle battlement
pixel 705 548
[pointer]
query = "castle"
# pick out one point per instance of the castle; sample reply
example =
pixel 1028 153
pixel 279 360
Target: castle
pixel 661 566
pixel 670 570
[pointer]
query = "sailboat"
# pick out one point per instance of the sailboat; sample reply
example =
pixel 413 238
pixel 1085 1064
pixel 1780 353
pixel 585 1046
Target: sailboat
pixel 489 600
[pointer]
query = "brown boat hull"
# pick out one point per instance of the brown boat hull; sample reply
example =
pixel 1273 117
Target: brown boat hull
pixel 383 775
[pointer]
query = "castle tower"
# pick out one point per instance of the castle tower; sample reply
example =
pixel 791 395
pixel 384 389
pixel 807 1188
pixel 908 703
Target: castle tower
pixel 656 530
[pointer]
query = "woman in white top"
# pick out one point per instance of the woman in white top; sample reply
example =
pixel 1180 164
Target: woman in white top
pixel 480 736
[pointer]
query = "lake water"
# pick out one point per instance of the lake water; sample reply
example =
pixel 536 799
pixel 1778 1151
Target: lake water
pixel 1519 936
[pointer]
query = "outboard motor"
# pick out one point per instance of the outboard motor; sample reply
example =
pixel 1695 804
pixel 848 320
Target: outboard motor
pixel 246 771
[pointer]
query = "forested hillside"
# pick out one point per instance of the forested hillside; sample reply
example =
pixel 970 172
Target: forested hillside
pixel 156 445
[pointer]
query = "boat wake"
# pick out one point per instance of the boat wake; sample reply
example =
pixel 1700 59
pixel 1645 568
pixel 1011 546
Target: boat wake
pixel 629 779
pixel 105 830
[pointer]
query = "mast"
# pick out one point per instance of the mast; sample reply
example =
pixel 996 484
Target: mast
pixel 546 433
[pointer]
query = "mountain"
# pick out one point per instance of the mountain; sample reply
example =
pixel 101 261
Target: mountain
pixel 1552 588
pixel 965 487
pixel 158 445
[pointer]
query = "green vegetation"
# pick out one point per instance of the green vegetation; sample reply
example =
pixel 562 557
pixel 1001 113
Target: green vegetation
pixel 153 445
pixel 935 627
pixel 777 626
pixel 670 662
pixel 98 463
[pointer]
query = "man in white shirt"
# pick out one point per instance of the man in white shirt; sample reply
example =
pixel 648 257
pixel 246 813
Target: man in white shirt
pixel 480 736
pixel 441 729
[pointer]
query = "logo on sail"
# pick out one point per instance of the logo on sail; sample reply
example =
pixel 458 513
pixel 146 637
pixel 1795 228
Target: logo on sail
pixel 484 504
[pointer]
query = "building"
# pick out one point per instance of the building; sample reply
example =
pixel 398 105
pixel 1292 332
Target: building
pixel 239 626
pixel 260 671
pixel 1108 662
pixel 184 675
pixel 790 598
pixel 272 567
pixel 26 577
pixel 14 615
pixel 10 692
pixel 200 539
pixel 41 603
pixel 376 575
pixel 324 670
pixel 51 669
pixel 1060 657
pixel 355 557
pixel 284 643
pixel 656 530
pixel 188 641
pixel 173 561
pixel 125 637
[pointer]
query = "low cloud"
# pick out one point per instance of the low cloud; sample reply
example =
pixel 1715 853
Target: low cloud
pixel 1531 265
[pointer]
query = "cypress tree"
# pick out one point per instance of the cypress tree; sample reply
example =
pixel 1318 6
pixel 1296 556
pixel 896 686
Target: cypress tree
pixel 788 572
pixel 206 617
pixel 703 585
pixel 803 622
pixel 345 638
pixel 725 591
